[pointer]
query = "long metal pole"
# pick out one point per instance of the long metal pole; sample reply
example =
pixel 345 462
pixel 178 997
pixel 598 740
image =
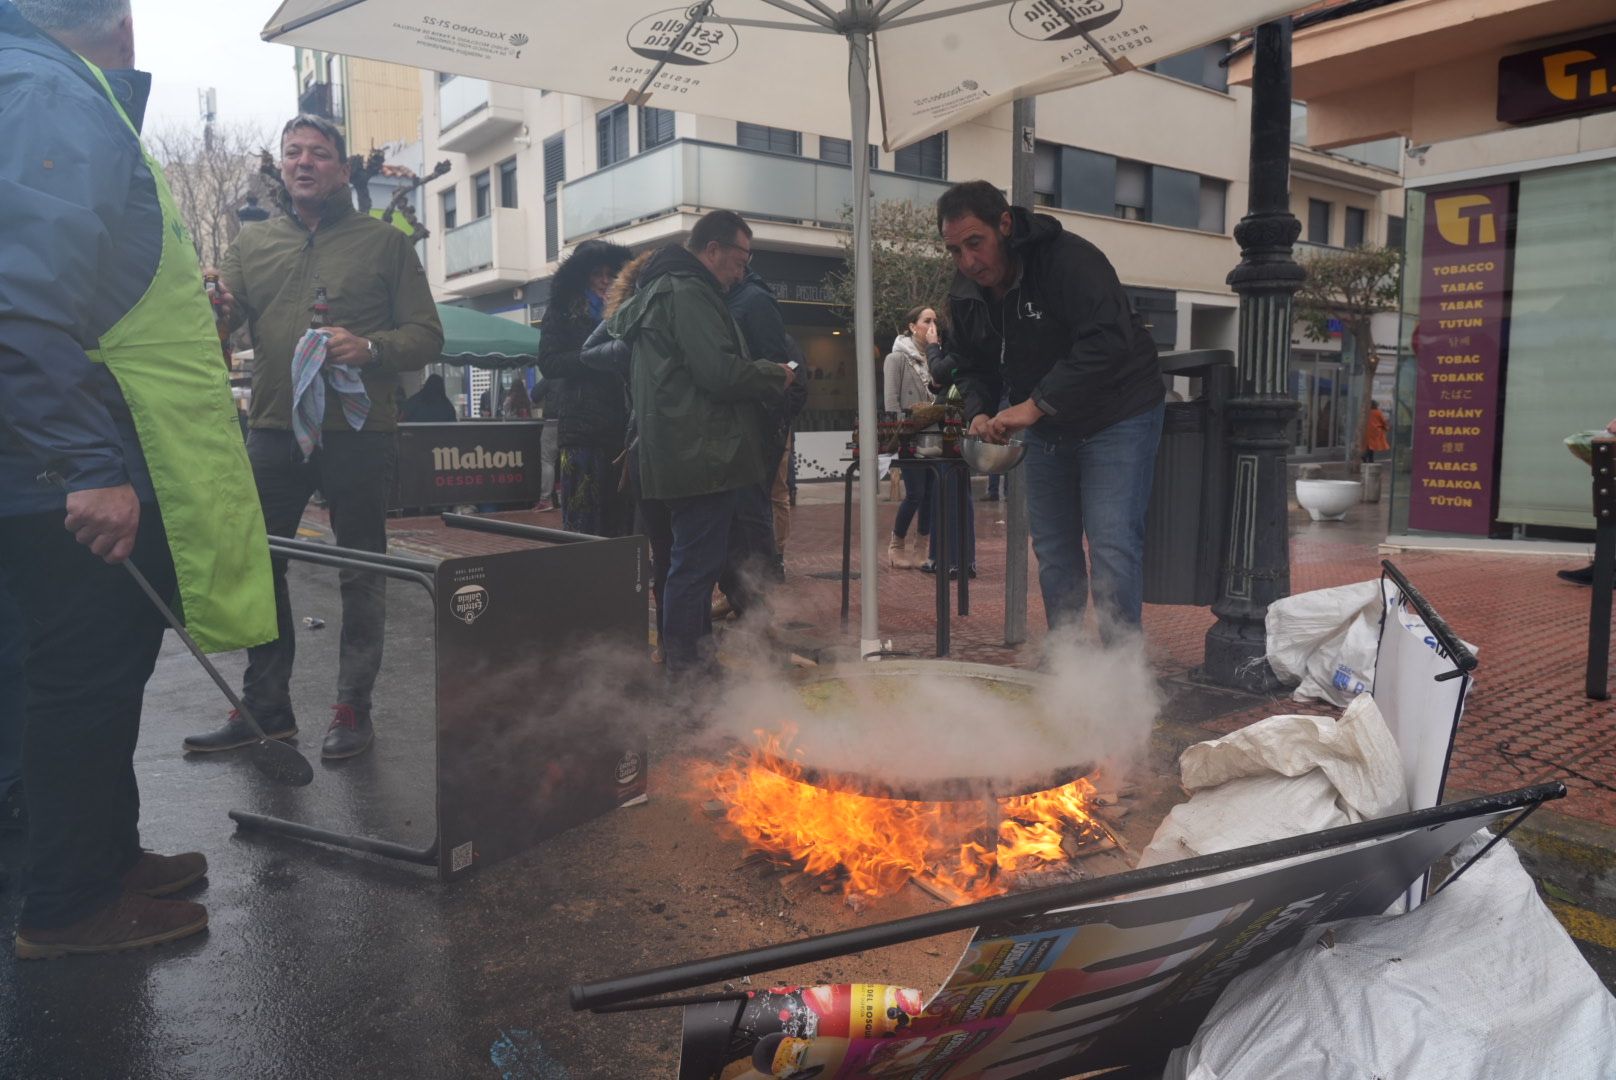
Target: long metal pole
pixel 1598 673
pixel 858 94
pixel 1023 133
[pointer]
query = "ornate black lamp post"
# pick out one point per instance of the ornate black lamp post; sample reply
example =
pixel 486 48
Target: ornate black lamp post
pixel 1256 567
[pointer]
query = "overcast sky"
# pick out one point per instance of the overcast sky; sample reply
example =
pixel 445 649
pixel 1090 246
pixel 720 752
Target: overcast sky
pixel 191 44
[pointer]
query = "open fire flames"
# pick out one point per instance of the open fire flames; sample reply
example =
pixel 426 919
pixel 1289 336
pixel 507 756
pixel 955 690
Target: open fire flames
pixel 876 845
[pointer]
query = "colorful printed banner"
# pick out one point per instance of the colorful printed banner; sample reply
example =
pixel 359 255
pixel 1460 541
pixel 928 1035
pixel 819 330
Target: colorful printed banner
pixel 1075 989
pixel 1458 354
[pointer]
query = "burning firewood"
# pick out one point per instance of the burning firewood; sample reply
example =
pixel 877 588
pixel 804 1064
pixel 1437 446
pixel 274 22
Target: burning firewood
pixel 868 846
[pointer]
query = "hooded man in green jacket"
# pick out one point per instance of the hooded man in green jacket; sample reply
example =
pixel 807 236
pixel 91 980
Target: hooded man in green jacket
pixel 380 320
pixel 701 403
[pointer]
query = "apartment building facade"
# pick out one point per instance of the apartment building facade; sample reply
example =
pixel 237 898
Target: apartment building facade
pixel 376 105
pixel 1150 166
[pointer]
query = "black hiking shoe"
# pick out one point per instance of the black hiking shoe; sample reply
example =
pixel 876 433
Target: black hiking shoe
pixel 236 733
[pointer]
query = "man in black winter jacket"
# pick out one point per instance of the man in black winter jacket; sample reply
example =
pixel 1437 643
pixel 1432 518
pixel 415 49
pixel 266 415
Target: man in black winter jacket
pixel 1039 318
pixel 755 539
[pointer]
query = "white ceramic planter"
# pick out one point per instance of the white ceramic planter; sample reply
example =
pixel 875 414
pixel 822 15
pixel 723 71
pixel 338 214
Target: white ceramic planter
pixel 1328 500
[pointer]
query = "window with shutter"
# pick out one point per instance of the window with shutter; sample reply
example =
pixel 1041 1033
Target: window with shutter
pixel 1318 221
pixel 1357 226
pixel 555 171
pixel 507 184
pixel 1132 201
pixel 611 136
pixel 771 140
pixel 1214 204
pixel 928 157
pixel 656 127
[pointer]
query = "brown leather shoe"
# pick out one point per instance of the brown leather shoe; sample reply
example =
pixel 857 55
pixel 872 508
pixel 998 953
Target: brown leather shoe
pixel 158 875
pixel 130 922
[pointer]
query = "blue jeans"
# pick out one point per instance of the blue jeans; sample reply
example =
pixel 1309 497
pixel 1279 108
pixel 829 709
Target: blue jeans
pixel 751 548
pixel 1099 488
pixel 917 485
pixel 700 525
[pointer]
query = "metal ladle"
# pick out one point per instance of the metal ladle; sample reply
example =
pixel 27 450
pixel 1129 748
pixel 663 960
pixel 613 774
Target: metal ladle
pixel 275 759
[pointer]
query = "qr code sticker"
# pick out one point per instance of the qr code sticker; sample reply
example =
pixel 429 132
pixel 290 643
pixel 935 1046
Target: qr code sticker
pixel 460 857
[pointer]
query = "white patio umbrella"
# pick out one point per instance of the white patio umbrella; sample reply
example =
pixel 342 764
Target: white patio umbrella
pixel 937 64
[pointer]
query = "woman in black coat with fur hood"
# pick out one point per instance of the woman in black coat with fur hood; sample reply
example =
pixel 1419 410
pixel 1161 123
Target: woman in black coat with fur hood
pixel 590 402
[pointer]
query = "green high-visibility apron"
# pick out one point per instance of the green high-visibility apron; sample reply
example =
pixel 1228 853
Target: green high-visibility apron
pixel 164 353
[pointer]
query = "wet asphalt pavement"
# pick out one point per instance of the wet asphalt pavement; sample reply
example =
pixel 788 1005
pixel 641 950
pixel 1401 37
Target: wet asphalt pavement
pixel 320 963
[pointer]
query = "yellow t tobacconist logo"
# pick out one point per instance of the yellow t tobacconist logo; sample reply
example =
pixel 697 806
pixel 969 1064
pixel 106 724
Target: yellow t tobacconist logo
pixel 1567 84
pixel 1455 213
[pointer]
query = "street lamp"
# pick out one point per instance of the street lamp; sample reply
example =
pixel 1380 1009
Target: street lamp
pixel 1256 562
pixel 251 211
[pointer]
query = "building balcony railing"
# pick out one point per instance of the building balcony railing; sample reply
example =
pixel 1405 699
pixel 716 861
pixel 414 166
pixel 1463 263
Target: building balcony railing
pixel 487 253
pixel 474 112
pixel 688 174
pixel 321 99
pixel 1379 154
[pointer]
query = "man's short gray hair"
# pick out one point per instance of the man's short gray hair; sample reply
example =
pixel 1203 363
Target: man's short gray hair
pixel 74 16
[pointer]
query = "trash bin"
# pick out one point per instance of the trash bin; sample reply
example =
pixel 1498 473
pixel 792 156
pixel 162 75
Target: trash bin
pixel 1373 471
pixel 1189 498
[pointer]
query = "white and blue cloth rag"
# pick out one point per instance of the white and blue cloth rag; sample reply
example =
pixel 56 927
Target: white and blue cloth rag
pixel 308 391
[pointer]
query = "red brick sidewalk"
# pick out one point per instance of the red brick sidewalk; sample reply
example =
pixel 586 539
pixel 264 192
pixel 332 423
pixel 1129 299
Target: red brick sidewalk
pixel 1526 720
pixel 1526 714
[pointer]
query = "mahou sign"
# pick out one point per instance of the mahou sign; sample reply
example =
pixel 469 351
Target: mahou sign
pixel 1458 351
pixel 475 461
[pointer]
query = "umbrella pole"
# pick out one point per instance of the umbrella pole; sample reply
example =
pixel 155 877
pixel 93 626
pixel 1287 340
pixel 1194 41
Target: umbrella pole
pixel 869 473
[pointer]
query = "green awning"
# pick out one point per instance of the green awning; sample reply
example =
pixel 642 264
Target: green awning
pixel 486 341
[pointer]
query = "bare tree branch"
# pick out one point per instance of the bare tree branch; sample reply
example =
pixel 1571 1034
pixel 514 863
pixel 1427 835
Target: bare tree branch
pixel 211 174
pixel 910 267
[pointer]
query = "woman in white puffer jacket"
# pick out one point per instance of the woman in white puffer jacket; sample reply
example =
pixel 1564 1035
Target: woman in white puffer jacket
pixel 907 377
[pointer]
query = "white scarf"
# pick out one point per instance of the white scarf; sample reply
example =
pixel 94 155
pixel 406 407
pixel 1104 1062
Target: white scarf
pixel 917 360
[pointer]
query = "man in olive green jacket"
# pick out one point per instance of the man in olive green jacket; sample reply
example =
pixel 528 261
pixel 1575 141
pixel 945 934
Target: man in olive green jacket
pixel 700 402
pixel 380 319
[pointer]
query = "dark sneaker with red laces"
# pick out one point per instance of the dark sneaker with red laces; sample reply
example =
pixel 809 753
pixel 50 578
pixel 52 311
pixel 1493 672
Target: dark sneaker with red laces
pixel 158 875
pixel 349 734
pixel 235 733
pixel 131 921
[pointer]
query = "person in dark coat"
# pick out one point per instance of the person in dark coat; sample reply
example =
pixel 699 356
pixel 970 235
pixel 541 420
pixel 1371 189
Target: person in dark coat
pixel 1039 319
pixel 594 416
pixel 430 404
pixel 612 356
pixel 701 404
pixel 753 542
